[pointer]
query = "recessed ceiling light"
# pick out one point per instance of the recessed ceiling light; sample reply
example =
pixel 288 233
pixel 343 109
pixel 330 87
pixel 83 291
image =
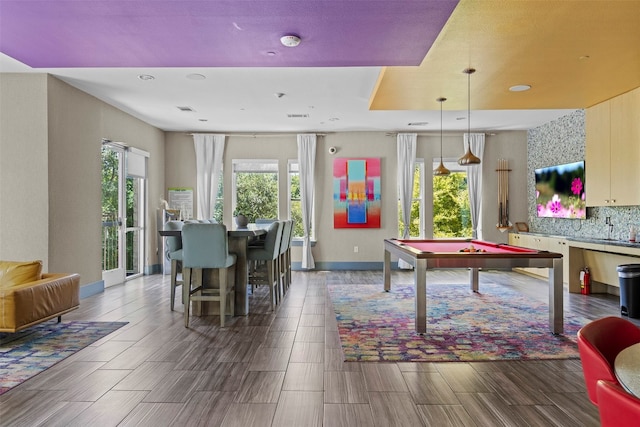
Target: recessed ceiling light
pixel 203 120
pixel 278 94
pixel 290 40
pixel 271 53
pixel 584 57
pixel 417 124
pixel 519 88
pixel 145 77
pixel 334 119
pixel 196 76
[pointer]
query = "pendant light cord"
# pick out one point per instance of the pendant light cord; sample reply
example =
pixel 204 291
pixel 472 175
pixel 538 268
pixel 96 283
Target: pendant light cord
pixel 441 101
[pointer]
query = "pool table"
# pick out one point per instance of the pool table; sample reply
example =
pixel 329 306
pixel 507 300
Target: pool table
pixel 457 253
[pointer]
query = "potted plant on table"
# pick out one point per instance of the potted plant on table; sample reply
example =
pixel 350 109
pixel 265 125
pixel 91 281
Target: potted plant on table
pixel 241 219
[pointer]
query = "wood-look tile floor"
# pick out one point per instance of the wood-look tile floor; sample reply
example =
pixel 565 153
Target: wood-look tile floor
pixel 285 368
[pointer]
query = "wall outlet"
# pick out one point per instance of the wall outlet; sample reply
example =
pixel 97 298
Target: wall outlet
pixel 355 249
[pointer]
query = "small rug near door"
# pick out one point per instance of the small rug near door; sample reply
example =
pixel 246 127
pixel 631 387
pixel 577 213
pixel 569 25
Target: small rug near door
pixel 498 323
pixel 31 351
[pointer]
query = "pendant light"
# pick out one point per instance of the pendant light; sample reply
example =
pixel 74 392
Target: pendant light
pixel 441 170
pixel 469 158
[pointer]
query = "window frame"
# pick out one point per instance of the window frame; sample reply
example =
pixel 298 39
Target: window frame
pixel 262 162
pixel 453 166
pixel 420 164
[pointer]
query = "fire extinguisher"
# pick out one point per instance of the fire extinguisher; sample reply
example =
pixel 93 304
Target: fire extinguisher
pixel 585 281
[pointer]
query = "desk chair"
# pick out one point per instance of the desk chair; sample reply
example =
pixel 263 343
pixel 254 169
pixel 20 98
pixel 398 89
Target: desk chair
pixel 599 342
pixel 616 406
pixel 267 257
pixel 206 245
pixel 174 251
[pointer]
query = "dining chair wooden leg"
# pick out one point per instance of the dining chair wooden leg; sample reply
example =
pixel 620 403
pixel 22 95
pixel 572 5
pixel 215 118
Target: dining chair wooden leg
pixel 232 290
pixel 174 281
pixel 270 284
pixel 186 289
pixel 222 277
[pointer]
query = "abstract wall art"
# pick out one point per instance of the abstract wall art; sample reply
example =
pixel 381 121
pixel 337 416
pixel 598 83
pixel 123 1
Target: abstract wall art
pixel 356 193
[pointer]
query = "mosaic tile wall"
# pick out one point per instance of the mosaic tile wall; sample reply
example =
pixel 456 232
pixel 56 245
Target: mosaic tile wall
pixel 563 141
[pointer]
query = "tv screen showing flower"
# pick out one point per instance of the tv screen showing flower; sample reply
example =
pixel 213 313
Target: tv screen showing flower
pixel 560 191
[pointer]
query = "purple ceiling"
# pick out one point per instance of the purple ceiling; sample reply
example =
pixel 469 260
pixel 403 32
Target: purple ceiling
pixel 156 33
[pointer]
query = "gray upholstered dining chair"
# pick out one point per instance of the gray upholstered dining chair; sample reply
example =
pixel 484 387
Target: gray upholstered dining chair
pixel 206 246
pixel 266 256
pixel 284 262
pixel 174 251
pixel 265 221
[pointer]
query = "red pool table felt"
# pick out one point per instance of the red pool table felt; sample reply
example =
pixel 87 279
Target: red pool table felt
pixel 450 246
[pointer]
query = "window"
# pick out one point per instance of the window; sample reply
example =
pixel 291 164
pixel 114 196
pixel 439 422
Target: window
pixel 219 203
pixel 417 205
pixel 451 210
pixel 255 188
pixel 295 203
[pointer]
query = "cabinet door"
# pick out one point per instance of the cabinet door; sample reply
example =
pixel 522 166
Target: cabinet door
pixel 625 149
pixel 522 240
pixel 598 155
pixel 561 246
pixel 540 243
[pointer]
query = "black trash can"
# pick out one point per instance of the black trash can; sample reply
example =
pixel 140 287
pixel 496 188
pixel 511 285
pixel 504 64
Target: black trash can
pixel 629 276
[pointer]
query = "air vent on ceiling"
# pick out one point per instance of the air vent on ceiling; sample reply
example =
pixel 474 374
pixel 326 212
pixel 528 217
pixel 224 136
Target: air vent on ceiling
pixel 298 116
pixel 186 109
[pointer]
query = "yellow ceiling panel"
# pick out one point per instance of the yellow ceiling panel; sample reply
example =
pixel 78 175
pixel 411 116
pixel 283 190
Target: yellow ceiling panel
pixel 573 54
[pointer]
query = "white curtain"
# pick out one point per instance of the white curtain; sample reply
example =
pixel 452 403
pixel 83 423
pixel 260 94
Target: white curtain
pixel 209 160
pixel 306 162
pixel 406 166
pixel 474 175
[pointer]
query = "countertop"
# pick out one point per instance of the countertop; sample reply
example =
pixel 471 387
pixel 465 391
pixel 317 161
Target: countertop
pixel 597 241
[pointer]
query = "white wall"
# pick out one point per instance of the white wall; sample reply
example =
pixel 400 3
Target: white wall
pixel 51 136
pixel 24 198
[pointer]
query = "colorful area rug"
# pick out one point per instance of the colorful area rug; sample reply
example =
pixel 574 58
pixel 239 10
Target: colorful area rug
pixel 31 351
pixel 496 324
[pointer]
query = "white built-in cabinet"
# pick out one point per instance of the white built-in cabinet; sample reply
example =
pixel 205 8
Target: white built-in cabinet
pixel 543 243
pixel 613 151
pixel 601 258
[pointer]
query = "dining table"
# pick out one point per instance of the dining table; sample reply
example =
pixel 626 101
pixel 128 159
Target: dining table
pixel 627 369
pixel 238 243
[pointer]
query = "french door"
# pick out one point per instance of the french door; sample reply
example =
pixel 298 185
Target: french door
pixel 113 249
pixel 123 212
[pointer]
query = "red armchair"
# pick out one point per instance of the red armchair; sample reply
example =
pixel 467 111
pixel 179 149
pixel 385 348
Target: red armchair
pixel 617 407
pixel 599 342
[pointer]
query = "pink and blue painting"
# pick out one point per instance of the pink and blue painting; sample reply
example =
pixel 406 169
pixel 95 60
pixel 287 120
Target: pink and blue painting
pixel 356 193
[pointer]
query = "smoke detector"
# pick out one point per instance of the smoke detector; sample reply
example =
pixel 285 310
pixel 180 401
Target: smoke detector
pixel 290 40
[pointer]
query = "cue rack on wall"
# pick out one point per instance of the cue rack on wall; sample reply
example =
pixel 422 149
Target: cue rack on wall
pixel 503 195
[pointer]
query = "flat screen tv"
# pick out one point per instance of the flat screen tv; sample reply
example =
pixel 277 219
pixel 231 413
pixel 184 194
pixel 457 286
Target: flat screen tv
pixel 560 191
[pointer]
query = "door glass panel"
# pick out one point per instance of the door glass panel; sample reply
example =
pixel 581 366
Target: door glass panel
pixel 111 172
pixel 134 226
pixel 112 214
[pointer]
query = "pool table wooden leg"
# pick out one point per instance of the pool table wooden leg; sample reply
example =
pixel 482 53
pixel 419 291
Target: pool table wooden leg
pixel 421 295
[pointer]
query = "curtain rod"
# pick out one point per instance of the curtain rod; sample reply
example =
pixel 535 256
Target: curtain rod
pixel 437 133
pixel 255 135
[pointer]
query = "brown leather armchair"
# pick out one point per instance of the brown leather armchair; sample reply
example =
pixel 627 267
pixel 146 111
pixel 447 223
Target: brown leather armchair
pixel 28 297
